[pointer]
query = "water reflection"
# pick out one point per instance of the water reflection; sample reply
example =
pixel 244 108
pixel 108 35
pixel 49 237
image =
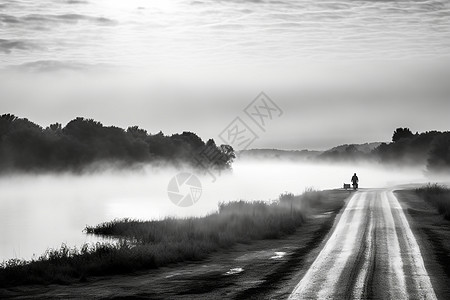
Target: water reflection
pixel 37 212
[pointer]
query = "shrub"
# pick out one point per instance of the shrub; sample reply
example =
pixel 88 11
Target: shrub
pixel 438 196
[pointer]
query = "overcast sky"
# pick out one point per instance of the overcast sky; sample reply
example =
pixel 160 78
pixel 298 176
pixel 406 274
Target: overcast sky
pixel 314 114
pixel 340 72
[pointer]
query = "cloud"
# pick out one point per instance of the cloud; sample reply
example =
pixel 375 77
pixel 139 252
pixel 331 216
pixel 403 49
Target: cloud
pixel 76 2
pixel 45 66
pixel 44 20
pixel 68 18
pixel 8 19
pixel 7 46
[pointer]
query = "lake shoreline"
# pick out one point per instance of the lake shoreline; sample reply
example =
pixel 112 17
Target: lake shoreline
pixel 250 255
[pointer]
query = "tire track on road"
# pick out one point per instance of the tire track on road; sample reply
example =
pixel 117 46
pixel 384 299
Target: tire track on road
pixel 336 252
pixel 419 283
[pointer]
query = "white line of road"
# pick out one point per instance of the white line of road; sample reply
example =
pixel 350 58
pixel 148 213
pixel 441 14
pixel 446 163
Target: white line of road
pixel 360 281
pixel 397 285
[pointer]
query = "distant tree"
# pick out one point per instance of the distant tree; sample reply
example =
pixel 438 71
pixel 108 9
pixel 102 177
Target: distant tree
pixel 408 148
pixel 83 129
pixel 189 138
pixel 55 127
pixel 137 132
pixel 351 149
pixel 5 123
pixel 8 117
pixel 229 153
pixel 160 146
pixel 286 197
pixel 401 133
pixel 25 145
pixel 211 143
pixel 439 157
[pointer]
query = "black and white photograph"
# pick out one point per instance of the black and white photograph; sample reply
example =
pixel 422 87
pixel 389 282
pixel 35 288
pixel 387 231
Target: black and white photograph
pixel 225 149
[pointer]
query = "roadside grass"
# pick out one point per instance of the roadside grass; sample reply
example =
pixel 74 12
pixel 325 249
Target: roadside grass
pixel 147 245
pixel 438 196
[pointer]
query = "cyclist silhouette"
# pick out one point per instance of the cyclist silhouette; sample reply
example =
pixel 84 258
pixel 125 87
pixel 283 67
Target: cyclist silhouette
pixel 355 181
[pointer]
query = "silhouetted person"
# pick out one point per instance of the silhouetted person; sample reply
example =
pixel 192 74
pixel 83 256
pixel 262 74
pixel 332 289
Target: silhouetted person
pixel 355 180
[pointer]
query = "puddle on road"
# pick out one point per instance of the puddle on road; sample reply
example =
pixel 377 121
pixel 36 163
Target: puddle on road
pixel 234 271
pixel 175 274
pixel 278 255
pixel 322 215
pixel 263 254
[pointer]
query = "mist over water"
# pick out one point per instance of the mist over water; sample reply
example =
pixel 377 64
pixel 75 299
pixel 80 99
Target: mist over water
pixel 42 211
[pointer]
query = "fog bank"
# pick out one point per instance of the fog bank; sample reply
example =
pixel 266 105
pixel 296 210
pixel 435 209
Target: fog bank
pixel 41 211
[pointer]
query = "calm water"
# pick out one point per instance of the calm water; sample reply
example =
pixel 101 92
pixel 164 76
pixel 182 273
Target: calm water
pixel 38 212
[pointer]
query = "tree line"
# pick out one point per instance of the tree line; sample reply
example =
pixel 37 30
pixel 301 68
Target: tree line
pixel 27 146
pixel 430 149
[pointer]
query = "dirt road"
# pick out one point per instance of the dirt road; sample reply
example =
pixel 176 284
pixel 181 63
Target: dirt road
pixel 371 254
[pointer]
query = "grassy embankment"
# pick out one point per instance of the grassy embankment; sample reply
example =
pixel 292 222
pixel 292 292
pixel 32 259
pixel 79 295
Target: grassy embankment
pixel 438 196
pixel 153 244
pixel 428 211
